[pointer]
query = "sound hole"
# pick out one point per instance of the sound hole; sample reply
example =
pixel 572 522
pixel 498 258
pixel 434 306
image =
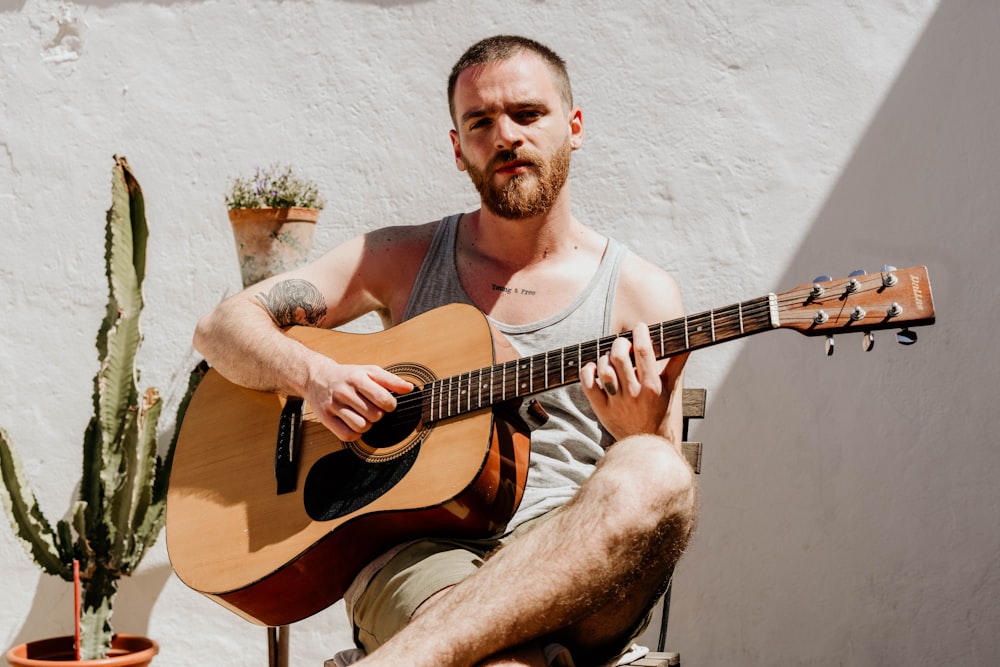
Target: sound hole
pixel 348 480
pixel 341 483
pixel 394 426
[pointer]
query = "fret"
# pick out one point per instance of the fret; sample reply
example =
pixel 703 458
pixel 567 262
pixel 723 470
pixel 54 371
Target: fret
pixel 454 396
pixel 468 391
pixel 711 317
pixel 687 339
pixel 447 397
pixel 545 370
pixel 479 389
pixel 740 305
pixel 443 399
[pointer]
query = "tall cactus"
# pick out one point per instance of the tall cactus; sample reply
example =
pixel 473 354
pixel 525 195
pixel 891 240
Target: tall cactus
pixel 120 509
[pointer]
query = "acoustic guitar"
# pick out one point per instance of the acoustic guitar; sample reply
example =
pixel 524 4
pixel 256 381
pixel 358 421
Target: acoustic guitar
pixel 272 516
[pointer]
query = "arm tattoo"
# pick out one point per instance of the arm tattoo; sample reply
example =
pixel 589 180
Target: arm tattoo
pixel 294 302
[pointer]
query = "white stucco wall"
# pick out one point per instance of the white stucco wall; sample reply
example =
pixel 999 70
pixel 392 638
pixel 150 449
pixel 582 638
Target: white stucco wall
pixel 849 506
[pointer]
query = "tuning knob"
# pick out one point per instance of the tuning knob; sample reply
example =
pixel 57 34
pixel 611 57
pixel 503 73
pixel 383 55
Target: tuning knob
pixel 868 341
pixel 906 337
pixel 817 290
pixel 829 346
pixel 853 285
pixel 888 277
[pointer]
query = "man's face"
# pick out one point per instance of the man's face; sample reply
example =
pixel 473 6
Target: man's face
pixel 514 135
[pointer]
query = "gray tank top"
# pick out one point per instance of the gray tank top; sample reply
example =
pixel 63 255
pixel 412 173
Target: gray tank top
pixel 566 448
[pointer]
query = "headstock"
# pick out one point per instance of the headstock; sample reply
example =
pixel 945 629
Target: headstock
pixel 890 299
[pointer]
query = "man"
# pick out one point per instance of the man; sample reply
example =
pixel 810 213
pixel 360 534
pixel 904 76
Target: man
pixel 610 500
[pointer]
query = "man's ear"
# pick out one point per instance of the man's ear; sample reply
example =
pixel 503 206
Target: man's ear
pixel 456 146
pixel 575 128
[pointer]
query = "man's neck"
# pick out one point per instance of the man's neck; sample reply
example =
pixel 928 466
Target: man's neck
pixel 526 241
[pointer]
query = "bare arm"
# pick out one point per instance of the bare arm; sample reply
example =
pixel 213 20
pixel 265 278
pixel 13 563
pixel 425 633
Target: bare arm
pixel 243 339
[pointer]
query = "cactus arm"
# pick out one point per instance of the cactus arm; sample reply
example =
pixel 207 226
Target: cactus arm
pixel 116 395
pixel 142 510
pixel 30 526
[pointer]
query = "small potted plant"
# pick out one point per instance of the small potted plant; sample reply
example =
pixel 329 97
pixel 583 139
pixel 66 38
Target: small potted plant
pixel 121 505
pixel 273 215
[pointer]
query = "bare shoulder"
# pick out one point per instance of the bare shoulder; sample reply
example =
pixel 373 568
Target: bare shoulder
pixel 645 293
pixel 372 272
pixel 391 259
pixel 398 242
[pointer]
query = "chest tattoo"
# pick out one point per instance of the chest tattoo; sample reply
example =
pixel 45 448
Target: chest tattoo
pixel 513 290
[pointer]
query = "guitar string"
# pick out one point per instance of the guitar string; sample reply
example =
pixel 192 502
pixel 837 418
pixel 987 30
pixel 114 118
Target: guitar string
pixel 408 404
pixel 725 319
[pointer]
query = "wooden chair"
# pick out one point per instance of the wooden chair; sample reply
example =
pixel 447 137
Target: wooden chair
pixel 694 408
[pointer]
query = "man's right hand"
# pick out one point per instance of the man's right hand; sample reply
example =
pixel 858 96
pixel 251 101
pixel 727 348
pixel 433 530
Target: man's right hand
pixel 348 398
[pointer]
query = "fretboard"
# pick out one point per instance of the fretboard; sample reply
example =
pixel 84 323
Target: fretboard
pixel 488 386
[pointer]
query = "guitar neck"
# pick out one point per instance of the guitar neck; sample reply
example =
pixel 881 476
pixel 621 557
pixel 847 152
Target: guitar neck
pixel 892 298
pixel 488 386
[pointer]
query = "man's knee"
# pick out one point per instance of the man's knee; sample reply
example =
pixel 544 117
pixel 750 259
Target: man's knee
pixel 654 479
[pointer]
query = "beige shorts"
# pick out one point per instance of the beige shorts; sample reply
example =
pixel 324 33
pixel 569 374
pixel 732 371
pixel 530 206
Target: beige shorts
pixel 414 574
pixel 418 571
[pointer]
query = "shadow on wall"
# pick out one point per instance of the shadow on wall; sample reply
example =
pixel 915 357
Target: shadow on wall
pixel 51 613
pixel 849 507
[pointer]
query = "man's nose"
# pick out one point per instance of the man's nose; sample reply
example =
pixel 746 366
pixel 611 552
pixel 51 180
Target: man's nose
pixel 509 133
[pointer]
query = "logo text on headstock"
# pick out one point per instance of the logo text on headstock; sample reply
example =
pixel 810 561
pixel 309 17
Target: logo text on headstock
pixel 918 295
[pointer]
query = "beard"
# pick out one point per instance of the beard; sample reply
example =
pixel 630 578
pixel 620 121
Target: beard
pixel 523 195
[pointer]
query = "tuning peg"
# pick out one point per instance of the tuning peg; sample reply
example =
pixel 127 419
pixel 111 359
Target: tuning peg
pixel 888 277
pixel 906 337
pixel 868 341
pixel 853 285
pixel 817 290
pixel 829 346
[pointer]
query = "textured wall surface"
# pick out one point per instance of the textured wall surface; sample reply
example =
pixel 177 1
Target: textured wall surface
pixel 849 506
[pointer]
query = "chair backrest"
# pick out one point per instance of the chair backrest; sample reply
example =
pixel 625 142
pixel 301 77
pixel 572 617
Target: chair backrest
pixel 694 408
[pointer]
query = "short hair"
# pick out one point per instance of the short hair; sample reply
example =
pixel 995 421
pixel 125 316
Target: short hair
pixel 504 47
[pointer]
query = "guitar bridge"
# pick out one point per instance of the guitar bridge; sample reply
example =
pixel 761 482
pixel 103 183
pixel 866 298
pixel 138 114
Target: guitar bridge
pixel 286 467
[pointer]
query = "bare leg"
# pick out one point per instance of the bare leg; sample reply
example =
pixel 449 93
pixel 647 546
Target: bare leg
pixel 624 529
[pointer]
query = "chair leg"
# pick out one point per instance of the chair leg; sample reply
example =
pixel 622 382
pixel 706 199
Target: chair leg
pixel 665 616
pixel 277 646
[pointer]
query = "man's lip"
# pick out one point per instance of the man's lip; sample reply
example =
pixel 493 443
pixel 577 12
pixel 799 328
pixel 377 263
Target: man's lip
pixel 514 166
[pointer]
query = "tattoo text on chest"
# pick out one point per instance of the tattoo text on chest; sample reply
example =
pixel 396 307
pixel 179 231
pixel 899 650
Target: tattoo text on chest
pixel 513 290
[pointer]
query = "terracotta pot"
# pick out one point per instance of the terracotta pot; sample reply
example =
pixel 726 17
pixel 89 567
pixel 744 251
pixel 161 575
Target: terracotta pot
pixel 126 651
pixel 271 240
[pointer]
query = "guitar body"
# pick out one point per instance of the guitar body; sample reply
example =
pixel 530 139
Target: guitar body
pixel 275 558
